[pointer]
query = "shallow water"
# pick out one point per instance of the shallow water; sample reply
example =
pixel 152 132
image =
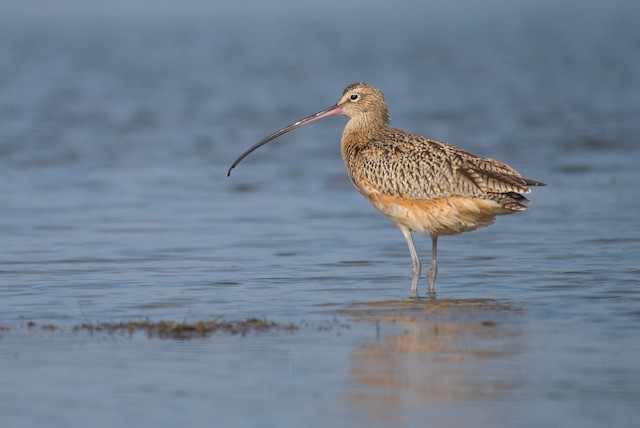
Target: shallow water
pixel 119 123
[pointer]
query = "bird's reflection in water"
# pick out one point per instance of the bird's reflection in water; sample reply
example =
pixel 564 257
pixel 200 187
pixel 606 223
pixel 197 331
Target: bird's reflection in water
pixel 435 354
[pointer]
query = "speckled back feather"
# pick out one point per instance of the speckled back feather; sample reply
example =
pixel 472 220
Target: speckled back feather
pixel 409 166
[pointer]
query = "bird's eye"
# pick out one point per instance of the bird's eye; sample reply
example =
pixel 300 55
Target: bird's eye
pixel 355 97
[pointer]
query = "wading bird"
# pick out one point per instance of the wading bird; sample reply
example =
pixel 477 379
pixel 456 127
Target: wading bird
pixel 421 184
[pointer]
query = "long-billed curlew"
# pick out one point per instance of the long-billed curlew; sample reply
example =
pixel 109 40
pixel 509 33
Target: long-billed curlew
pixel 419 183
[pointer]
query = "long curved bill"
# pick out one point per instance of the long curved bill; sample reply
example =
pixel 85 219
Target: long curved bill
pixel 329 111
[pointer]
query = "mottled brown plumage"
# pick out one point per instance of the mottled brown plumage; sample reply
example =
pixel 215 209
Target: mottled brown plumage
pixel 419 183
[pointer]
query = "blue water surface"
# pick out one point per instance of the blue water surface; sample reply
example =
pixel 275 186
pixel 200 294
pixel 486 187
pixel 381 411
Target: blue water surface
pixel 120 120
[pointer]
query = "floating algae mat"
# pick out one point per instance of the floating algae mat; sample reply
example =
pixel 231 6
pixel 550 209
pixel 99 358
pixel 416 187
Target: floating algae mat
pixel 173 329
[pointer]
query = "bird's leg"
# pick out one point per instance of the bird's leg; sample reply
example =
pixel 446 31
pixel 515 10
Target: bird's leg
pixel 433 270
pixel 416 267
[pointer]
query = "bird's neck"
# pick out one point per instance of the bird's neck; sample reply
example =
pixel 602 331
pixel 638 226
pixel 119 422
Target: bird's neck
pixel 363 128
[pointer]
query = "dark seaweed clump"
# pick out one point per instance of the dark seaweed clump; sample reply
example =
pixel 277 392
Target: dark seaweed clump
pixel 173 329
pixel 185 330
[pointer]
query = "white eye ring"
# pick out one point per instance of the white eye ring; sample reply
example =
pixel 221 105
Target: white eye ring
pixel 354 97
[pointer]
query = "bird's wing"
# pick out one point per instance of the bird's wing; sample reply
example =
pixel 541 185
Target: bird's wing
pixel 414 167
